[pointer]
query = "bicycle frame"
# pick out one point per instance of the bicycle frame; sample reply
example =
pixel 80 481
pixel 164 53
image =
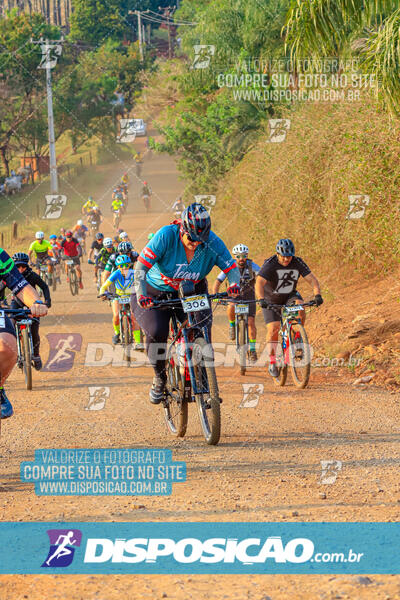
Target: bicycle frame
pixel 187 330
pixel 20 325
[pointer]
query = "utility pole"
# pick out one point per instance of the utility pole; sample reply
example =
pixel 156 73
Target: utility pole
pixel 48 63
pixel 167 12
pixel 140 32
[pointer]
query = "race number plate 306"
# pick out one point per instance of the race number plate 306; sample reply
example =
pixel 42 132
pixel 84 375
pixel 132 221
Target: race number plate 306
pixel 194 303
pixel 124 300
pixel 241 309
pixel 293 309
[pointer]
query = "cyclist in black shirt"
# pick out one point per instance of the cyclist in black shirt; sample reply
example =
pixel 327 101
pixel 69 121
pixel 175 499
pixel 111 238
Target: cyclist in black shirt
pixel 21 261
pixel 8 346
pixel 276 283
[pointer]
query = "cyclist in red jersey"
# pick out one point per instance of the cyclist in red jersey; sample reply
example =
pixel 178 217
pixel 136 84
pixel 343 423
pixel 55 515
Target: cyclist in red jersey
pixel 73 251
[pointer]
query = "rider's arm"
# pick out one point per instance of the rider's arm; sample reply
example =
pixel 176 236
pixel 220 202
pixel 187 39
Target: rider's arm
pixel 313 282
pixel 105 286
pixel 259 287
pixel 220 279
pixel 226 263
pixel 108 282
pixel 34 279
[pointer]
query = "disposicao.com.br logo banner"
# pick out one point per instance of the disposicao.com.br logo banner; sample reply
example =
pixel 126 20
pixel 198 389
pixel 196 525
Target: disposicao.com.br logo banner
pixel 199 548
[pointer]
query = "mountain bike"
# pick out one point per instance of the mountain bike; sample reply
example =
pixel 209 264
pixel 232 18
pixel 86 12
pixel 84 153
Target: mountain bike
pixel 294 349
pixel 72 276
pixel 116 218
pixel 23 322
pixel 241 331
pixel 47 276
pixel 190 367
pixel 125 323
pixel 146 202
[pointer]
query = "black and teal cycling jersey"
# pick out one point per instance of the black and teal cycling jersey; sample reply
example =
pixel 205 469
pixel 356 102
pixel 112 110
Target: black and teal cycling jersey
pixel 10 274
pixel 102 258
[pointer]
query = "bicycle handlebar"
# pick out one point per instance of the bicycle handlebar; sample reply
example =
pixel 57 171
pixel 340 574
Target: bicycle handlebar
pixel 177 301
pixel 17 312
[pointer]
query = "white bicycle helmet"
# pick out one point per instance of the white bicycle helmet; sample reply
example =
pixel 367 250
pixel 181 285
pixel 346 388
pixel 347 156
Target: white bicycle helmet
pixel 107 243
pixel 39 235
pixel 240 249
pixel 80 222
pixel 123 235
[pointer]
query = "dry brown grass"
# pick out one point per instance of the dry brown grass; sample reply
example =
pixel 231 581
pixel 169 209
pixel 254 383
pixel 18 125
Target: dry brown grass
pixel 299 188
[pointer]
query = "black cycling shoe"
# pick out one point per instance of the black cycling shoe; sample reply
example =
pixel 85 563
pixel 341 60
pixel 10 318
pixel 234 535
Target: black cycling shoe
pixel 157 391
pixel 116 339
pixel 37 362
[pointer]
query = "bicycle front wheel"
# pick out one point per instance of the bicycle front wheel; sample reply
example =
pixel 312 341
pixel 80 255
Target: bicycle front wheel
pixel 175 404
pixel 281 364
pixel 242 345
pixel 27 358
pixel 299 355
pixel 126 336
pixel 207 398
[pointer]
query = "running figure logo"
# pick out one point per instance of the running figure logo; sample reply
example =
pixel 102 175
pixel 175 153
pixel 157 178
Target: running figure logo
pixel 54 205
pixel 251 394
pixel 278 130
pixel 330 470
pixel 202 55
pixel 97 397
pixel 50 53
pixel 287 281
pixel 357 205
pixel 62 542
pixel 63 347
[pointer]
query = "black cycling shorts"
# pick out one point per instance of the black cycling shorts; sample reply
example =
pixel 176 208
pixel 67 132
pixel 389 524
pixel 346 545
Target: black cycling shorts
pixel 271 316
pixel 76 259
pixel 8 326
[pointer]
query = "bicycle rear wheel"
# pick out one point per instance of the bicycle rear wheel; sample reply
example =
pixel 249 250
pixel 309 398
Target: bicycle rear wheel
pixel 54 281
pixel 27 358
pixel 207 400
pixel 242 345
pixel 299 355
pixel 73 281
pixel 175 403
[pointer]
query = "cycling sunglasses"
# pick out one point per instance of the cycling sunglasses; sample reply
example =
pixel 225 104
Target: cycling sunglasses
pixel 190 239
pixel 124 266
pixel 241 256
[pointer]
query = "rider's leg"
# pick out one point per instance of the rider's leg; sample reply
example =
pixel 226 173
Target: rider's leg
pixel 135 329
pixel 116 323
pixel 252 332
pixel 8 355
pixel 8 358
pixel 231 318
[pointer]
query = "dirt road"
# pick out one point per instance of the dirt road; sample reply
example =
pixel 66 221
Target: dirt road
pixel 267 466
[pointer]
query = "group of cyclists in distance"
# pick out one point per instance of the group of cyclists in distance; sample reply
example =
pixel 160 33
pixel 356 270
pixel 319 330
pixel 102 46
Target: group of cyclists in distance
pixel 185 250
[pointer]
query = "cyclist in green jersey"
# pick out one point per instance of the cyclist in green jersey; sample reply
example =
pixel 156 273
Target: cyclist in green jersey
pixel 40 248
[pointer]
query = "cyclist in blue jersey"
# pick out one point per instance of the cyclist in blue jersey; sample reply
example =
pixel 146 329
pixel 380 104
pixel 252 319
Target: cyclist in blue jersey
pixel 8 344
pixel 123 279
pixel 182 251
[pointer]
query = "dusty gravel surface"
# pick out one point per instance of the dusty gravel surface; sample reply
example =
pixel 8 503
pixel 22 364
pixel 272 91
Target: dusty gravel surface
pixel 267 466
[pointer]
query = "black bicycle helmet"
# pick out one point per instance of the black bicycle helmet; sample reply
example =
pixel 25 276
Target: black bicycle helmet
pixel 124 247
pixel 285 247
pixel 20 258
pixel 196 222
